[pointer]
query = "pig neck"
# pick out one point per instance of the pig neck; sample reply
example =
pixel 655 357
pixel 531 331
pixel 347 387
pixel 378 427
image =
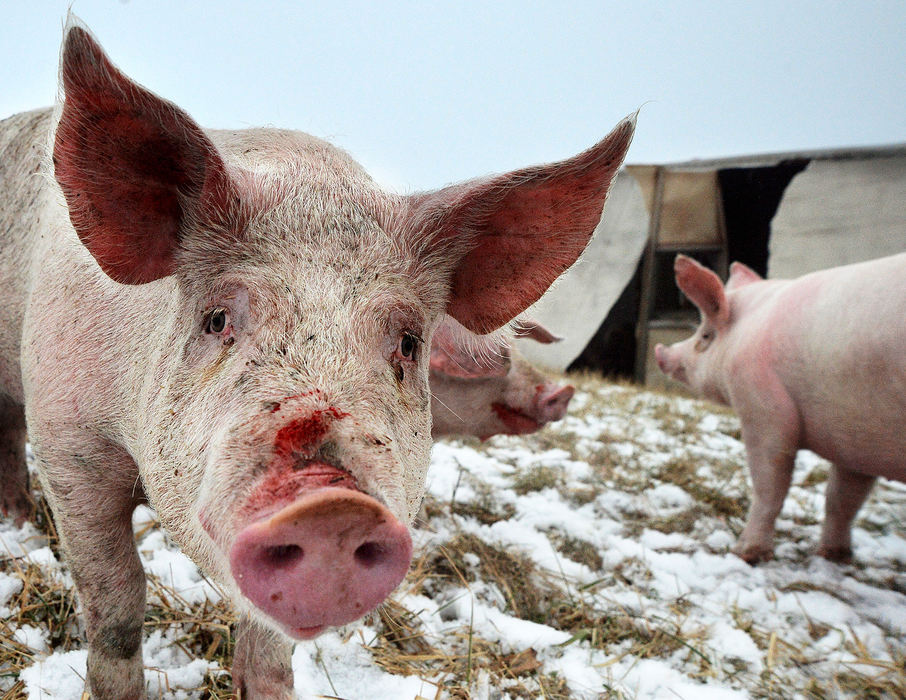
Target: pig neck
pixel 745 347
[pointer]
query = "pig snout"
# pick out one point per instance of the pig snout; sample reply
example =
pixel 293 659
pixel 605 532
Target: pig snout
pixel 660 354
pixel 552 401
pixel 324 560
pixel 669 363
pixel 548 404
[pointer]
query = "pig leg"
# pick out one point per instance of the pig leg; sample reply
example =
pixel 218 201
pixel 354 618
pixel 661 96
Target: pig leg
pixel 771 440
pixel 93 496
pixel 846 492
pixel 15 498
pixel 771 476
pixel 262 663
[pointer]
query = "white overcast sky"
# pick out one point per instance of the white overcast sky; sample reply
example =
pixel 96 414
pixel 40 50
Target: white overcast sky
pixel 428 93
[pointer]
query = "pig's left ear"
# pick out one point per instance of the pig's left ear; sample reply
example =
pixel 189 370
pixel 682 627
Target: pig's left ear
pixel 512 235
pixel 703 288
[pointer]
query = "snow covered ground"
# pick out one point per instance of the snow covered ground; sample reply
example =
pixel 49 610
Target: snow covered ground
pixel 590 560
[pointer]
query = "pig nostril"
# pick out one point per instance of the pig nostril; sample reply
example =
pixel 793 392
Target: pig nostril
pixel 283 555
pixel 369 554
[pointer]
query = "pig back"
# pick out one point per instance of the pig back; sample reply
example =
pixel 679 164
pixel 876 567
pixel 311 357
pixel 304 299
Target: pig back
pixel 25 202
pixel 840 356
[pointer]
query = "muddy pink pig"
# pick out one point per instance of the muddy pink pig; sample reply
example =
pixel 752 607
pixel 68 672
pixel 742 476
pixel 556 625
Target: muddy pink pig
pixel 483 386
pixel 812 363
pixel 233 327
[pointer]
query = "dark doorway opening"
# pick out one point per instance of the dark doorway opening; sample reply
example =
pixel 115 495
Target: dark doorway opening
pixel 750 197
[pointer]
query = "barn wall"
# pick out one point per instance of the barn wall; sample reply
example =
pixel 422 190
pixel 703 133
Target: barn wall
pixel 837 212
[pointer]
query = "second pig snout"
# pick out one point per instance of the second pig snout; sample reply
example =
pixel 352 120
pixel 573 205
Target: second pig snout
pixel 552 402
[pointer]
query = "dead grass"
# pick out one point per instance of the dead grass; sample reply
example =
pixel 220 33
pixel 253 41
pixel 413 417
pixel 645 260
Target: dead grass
pixel 44 603
pixel 578 550
pixel 513 573
pixel 684 473
pixel 818 475
pixel 683 522
pixel 452 664
pixel 486 508
pixel 537 479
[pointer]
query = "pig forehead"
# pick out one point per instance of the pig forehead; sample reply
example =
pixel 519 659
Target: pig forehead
pixel 319 220
pixel 292 175
pixel 338 253
pixel 272 149
pixel 364 293
pixel 307 291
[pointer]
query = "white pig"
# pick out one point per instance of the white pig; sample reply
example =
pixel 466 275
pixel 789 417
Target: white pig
pixel 483 386
pixel 233 327
pixel 812 363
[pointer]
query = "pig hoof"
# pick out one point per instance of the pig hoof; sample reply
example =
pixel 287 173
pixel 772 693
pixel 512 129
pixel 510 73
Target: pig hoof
pixel 840 555
pixel 753 554
pixel 20 508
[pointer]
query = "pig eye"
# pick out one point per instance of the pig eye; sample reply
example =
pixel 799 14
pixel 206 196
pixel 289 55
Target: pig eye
pixel 704 341
pixel 408 347
pixel 216 321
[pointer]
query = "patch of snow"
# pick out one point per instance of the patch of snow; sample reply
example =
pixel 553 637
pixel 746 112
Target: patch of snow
pixel 32 637
pixel 9 586
pixel 60 676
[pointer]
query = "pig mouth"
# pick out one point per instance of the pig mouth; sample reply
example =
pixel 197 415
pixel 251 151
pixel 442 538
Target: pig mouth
pixel 303 634
pixel 516 422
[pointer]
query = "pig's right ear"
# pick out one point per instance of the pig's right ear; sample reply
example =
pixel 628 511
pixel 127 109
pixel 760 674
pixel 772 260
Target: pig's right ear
pixel 703 288
pixel 132 166
pixel 455 352
pixel 512 235
pixel 530 328
pixel 741 275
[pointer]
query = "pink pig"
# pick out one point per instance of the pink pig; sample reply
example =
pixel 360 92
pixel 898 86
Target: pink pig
pixel 233 327
pixel 812 363
pixel 482 386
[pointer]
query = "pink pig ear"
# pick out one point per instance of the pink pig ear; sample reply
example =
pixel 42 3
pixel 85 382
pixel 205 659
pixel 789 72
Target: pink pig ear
pixel 131 166
pixel 703 288
pixel 741 275
pixel 530 328
pixel 514 234
pixel 455 352
pixel 458 362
